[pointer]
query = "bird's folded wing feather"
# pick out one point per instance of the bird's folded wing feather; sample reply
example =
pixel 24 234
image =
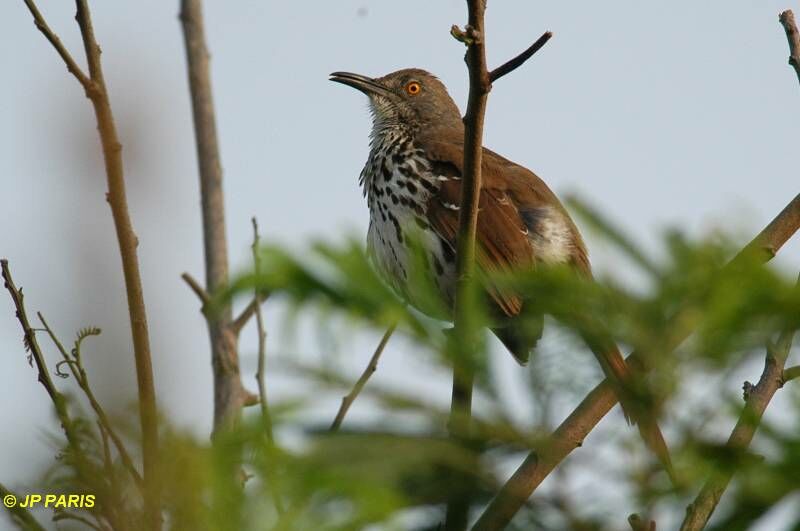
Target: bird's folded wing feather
pixel 502 233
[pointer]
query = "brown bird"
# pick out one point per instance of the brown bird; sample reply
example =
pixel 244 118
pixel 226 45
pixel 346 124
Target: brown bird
pixel 412 181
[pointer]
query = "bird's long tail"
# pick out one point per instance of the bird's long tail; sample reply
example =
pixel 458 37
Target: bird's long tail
pixel 637 408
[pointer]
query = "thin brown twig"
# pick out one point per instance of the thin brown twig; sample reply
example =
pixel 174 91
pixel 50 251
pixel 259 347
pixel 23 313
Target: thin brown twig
pixel 72 66
pixel 371 367
pixel 229 393
pixel 790 374
pixel 80 376
pixel 480 85
pixel 793 36
pixel 198 290
pixel 239 322
pixel 262 340
pixel 574 429
pixel 266 418
pixel 516 62
pixel 758 398
pixel 249 311
pixel 32 344
pixel 97 93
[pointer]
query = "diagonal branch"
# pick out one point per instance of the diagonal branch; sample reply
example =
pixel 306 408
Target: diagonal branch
pixel 570 434
pixel 758 398
pixel 371 367
pixel 516 62
pixel 251 310
pixel 32 345
pixel 198 290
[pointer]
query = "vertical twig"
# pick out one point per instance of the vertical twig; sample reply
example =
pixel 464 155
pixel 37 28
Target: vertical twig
pixel 479 87
pixel 128 243
pixel 229 393
pixel 266 418
pixel 95 87
pixel 262 340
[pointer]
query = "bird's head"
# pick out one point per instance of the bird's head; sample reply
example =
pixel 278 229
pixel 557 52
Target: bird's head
pixel 412 97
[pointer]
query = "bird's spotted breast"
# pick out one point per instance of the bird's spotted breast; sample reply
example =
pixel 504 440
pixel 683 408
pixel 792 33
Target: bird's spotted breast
pixel 398 183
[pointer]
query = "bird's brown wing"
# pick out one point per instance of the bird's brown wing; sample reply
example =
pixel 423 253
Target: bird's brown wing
pixel 501 241
pixel 510 194
pixel 510 198
pixel 502 235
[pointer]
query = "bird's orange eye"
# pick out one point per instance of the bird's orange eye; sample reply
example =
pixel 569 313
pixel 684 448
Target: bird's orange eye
pixel 413 88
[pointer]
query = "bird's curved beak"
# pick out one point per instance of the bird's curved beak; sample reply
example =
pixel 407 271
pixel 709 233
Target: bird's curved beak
pixel 365 84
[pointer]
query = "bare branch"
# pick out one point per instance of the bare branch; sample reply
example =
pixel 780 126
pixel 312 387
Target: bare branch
pixel 72 66
pixel 539 463
pixel 250 399
pixel 262 339
pixel 479 87
pixel 372 366
pixel 112 154
pixel 516 62
pixel 570 434
pixel 229 393
pixel 266 418
pixel 776 234
pixel 195 286
pixel 790 374
pixel 758 398
pixel 248 313
pixel 31 343
pixel 793 36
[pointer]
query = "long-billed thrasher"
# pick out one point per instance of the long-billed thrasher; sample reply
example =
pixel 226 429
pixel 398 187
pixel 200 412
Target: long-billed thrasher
pixel 412 181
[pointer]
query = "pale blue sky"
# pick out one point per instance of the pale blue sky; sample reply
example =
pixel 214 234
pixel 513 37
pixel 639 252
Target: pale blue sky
pixel 660 114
